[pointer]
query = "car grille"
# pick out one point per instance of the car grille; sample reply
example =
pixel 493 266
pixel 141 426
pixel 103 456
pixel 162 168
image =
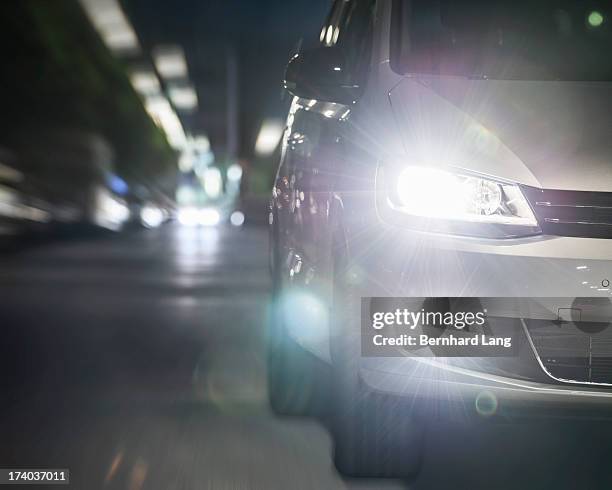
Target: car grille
pixel 572 213
pixel 571 355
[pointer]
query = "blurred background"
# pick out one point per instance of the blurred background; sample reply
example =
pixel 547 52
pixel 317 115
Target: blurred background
pixel 118 113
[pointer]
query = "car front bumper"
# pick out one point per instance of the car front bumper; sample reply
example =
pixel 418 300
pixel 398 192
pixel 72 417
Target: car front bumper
pixel 547 273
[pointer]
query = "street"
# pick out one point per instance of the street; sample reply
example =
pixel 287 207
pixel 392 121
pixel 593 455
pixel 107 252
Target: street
pixel 137 361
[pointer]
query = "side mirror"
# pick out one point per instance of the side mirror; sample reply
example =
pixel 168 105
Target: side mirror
pixel 321 74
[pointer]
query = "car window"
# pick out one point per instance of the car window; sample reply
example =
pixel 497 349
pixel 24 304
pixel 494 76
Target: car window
pixel 349 27
pixel 520 39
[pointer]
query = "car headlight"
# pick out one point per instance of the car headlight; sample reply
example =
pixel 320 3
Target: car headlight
pixel 151 216
pixel 443 201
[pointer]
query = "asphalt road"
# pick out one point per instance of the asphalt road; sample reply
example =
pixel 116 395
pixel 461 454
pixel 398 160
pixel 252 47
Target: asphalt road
pixel 137 362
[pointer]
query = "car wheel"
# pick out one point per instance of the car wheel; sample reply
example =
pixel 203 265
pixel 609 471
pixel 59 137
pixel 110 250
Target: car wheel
pixel 374 435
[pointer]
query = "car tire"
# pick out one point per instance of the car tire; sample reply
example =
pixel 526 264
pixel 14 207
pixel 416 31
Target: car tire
pixel 374 435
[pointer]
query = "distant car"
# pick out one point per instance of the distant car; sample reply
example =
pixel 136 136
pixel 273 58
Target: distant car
pixel 22 209
pixel 73 170
pixel 442 149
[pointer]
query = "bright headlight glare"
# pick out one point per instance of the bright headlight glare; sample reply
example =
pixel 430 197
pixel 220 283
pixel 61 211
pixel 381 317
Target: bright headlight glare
pixel 110 212
pixel 151 216
pixel 188 216
pixel 432 193
pixel 209 217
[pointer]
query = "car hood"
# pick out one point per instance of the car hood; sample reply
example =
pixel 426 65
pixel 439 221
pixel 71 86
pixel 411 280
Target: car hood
pixel 555 135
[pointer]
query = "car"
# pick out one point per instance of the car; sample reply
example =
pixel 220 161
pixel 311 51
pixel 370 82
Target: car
pixel 437 152
pixel 22 209
pixel 73 172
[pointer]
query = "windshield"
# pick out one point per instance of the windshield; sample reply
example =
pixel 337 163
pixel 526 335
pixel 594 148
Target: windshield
pixel 524 40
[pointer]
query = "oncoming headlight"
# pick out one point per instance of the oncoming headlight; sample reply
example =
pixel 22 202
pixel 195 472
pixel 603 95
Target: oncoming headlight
pixel 151 216
pixel 442 201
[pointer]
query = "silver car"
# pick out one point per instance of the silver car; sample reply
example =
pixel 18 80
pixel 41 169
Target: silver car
pixel 439 151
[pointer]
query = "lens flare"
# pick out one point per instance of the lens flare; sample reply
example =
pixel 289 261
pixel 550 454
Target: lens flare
pixel 595 19
pixel 486 404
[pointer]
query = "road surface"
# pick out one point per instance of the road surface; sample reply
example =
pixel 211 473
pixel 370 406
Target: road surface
pixel 137 362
